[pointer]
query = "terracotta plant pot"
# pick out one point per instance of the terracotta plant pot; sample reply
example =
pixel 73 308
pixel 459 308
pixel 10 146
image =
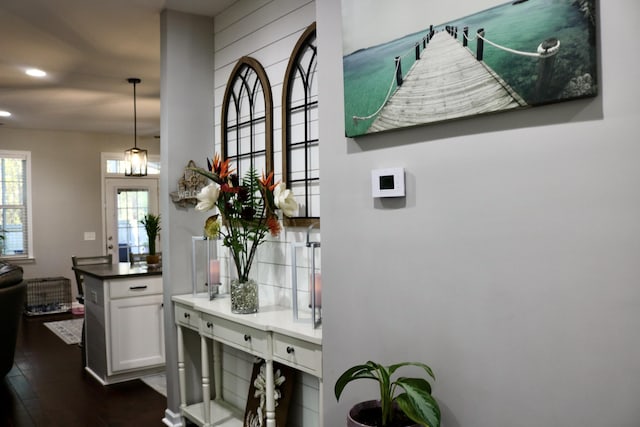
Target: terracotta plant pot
pixel 369 413
pixel 153 259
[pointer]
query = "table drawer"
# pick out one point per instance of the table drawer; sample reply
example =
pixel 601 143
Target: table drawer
pixel 134 287
pixel 245 338
pixel 206 326
pixel 299 354
pixel 187 316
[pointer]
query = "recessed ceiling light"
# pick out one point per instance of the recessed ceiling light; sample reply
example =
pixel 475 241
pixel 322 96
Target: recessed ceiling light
pixel 4 113
pixel 34 72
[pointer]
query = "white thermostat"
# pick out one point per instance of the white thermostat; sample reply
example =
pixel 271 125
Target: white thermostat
pixel 387 182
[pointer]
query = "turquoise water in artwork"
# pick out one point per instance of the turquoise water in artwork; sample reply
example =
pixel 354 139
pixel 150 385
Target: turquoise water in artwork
pixel 370 73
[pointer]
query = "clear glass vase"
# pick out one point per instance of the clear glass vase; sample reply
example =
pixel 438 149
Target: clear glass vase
pixel 244 296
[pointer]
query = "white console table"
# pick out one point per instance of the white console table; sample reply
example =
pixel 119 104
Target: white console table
pixel 270 334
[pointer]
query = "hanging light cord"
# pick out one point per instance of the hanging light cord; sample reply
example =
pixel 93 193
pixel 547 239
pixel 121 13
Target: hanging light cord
pixel 134 81
pixel 135 119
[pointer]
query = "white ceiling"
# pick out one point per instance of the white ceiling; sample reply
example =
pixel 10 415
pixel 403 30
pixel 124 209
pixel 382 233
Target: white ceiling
pixel 88 48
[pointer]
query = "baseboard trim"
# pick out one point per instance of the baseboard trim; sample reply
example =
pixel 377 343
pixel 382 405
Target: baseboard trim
pixel 171 419
pixel 94 375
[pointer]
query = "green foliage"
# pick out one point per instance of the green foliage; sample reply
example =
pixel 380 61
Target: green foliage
pixel 151 224
pixel 415 401
pixel 246 210
pixel 244 215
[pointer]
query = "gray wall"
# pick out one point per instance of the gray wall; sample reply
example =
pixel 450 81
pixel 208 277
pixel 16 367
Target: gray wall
pixel 66 192
pixel 187 129
pixel 511 267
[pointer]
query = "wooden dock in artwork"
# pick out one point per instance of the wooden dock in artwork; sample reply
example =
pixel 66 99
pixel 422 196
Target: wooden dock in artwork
pixel 447 82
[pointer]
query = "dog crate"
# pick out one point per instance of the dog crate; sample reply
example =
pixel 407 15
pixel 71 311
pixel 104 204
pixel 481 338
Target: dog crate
pixel 48 295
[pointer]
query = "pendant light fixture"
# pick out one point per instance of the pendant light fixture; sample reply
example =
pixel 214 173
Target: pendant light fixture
pixel 135 159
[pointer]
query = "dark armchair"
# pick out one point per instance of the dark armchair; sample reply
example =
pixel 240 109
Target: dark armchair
pixel 12 293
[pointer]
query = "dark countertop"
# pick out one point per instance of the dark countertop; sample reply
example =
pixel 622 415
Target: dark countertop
pixel 118 271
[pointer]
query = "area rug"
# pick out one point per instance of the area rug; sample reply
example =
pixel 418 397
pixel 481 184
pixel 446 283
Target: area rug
pixel 69 331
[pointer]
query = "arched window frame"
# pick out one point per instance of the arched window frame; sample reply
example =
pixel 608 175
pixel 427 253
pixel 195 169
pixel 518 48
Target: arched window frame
pixel 306 41
pixel 246 65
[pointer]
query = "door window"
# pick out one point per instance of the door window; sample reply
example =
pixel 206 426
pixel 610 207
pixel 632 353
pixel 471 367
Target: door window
pixel 128 201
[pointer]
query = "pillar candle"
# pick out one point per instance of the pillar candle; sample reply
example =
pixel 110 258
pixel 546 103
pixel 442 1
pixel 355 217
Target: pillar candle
pixel 318 290
pixel 214 271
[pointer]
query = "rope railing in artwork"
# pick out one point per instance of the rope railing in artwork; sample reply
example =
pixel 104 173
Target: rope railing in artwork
pixel 386 98
pixel 397 75
pixel 506 49
pixel 540 53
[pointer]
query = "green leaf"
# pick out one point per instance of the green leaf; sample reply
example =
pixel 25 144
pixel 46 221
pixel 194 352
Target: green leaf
pixel 353 373
pixel 213 177
pixel 411 384
pixel 426 368
pixel 417 401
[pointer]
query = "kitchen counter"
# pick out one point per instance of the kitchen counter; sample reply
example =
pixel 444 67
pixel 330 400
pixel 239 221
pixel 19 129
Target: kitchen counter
pixel 120 270
pixel 124 321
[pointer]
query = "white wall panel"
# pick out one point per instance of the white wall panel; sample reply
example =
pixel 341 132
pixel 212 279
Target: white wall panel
pixel 273 21
pixel 268 32
pixel 237 12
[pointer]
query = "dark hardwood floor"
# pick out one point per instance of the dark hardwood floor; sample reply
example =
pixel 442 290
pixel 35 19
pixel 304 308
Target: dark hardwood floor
pixel 48 387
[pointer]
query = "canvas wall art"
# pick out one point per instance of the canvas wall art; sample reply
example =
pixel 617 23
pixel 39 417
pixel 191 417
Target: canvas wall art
pixel 414 62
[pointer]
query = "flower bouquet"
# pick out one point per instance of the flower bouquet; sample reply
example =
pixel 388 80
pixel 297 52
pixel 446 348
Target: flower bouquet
pixel 246 213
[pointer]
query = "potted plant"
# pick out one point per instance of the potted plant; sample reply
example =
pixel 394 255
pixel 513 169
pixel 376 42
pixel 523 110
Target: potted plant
pixel 151 224
pixel 414 406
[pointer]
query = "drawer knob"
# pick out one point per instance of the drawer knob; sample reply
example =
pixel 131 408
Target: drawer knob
pixel 247 337
pixel 187 315
pixel 209 324
pixel 290 349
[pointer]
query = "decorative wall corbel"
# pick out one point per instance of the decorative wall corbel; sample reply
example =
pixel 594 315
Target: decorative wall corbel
pixel 189 185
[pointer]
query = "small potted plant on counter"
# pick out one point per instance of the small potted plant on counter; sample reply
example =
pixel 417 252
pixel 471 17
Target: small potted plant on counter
pixel 151 224
pixel 415 406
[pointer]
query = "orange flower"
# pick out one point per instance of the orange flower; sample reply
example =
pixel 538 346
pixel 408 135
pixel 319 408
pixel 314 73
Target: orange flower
pixel 216 163
pixel 267 181
pixel 221 168
pixel 274 225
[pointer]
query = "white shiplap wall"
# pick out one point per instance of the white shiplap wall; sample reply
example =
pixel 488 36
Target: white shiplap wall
pixel 266 31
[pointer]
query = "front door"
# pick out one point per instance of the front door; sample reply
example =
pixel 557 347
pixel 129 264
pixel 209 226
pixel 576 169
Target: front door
pixel 128 201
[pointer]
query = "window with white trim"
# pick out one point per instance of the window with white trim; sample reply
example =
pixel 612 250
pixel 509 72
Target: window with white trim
pixel 15 204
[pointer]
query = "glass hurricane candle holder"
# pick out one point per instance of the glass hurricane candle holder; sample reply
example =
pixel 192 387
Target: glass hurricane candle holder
pixel 315 283
pixel 205 266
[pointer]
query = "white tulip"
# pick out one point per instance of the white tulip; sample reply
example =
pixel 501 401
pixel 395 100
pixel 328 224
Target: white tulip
pixel 284 200
pixel 207 197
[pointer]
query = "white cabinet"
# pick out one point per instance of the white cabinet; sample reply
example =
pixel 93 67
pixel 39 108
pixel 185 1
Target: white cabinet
pixel 124 327
pixel 136 336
